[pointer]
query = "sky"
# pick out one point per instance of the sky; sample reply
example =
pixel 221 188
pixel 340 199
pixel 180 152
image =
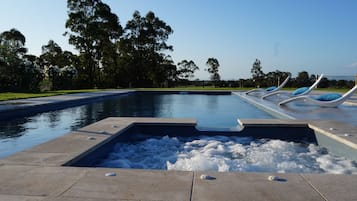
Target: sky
pixel 317 36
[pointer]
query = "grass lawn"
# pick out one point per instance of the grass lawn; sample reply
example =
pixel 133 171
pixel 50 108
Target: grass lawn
pixel 13 96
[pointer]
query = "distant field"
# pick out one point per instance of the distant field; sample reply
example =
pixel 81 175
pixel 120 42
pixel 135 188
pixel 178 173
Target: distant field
pixel 13 96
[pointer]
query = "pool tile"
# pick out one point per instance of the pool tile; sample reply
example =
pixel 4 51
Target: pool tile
pixel 133 185
pixel 252 186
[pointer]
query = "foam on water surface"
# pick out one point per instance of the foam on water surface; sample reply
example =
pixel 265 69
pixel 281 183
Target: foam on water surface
pixel 227 154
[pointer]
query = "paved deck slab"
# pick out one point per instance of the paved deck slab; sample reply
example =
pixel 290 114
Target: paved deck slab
pixel 252 186
pixel 20 198
pixel 58 151
pixel 133 185
pixel 38 159
pixel 113 125
pixel 334 187
pixel 37 181
pixel 63 198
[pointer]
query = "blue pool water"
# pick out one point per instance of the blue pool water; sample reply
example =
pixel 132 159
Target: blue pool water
pixel 209 110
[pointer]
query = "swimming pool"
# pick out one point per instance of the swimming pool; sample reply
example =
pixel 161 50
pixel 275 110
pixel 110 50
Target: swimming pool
pixel 209 110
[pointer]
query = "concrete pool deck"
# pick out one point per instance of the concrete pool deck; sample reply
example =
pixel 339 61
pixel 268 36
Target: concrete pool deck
pixel 38 174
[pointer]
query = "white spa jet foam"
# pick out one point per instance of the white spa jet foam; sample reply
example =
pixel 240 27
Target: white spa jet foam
pixel 223 154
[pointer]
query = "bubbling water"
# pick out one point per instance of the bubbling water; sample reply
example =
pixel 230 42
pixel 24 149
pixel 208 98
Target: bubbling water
pixel 227 154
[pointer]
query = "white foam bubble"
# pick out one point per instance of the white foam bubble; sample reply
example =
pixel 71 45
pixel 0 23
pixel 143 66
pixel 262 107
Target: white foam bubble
pixel 221 153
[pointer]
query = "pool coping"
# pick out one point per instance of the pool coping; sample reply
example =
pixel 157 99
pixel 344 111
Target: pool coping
pixel 38 173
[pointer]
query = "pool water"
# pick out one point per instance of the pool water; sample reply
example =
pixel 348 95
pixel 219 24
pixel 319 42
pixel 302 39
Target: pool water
pixel 209 110
pixel 226 154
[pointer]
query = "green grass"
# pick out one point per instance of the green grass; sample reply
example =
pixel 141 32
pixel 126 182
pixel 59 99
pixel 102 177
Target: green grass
pixel 13 96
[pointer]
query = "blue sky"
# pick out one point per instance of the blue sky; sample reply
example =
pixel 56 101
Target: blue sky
pixel 318 36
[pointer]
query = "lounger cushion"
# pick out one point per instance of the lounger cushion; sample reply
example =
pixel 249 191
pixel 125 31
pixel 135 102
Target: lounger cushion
pixel 300 91
pixel 328 97
pixel 270 88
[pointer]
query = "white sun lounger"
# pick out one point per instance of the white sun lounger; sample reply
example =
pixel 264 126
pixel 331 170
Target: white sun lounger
pixel 298 92
pixel 323 103
pixel 270 89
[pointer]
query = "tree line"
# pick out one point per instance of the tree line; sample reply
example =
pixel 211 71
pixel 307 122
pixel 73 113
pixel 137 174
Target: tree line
pixel 261 79
pixel 112 56
pixel 109 55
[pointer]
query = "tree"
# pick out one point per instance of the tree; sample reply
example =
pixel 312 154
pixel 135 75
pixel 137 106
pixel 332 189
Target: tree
pixel 56 63
pixel 186 69
pixel 143 48
pixel 14 40
pixel 52 54
pixel 31 76
pixel 257 73
pixel 303 79
pixel 213 66
pixel 16 72
pixel 68 74
pixel 94 30
pixel 275 78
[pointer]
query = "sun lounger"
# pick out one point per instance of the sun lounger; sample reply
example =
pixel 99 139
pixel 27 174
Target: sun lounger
pixel 325 100
pixel 269 89
pixel 298 92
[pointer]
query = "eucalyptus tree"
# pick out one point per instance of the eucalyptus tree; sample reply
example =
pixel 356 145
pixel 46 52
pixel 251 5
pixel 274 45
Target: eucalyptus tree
pixel 213 66
pixel 143 49
pixel 257 73
pixel 12 49
pixel 93 31
pixel 14 40
pixel 53 60
pixel 186 69
pixel 52 54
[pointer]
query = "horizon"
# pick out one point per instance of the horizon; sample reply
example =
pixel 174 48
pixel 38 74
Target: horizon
pixel 317 37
